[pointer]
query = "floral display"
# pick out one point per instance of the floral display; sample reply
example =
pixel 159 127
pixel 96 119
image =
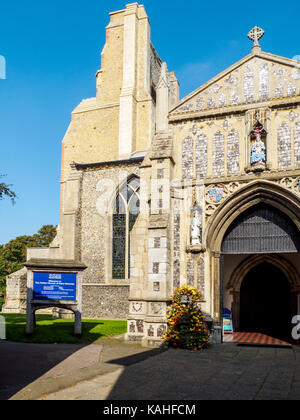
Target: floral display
pixel 186 323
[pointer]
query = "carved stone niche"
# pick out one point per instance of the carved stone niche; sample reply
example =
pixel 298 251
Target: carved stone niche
pixel 196 229
pixel 195 249
pixel 258 168
pixel 257 148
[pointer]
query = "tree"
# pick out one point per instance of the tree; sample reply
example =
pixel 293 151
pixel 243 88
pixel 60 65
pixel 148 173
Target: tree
pixel 13 254
pixel 5 191
pixel 44 236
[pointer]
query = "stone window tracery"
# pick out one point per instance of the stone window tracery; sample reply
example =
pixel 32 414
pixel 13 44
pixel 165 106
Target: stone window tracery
pixel 125 212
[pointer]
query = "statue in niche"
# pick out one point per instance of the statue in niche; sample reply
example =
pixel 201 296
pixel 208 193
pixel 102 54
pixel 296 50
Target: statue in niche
pixel 258 146
pixel 140 326
pixel 258 152
pixel 151 331
pixel 161 330
pixel 196 225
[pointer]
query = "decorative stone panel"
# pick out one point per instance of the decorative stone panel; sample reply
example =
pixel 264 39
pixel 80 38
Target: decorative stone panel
pixel 201 276
pixel 176 248
pixel 215 194
pixel 234 99
pixel 199 103
pixel 279 91
pixel 297 144
pixel 190 272
pixel 137 308
pixel 151 331
pixel 222 100
pixel 156 308
pixel 241 86
pixel 218 154
pixel 187 158
pixel 233 153
pixel 201 156
pixel 290 183
pixel 156 286
pixel 211 103
pixel 161 330
pixel 284 146
pixel 157 242
pixel 291 90
pixel 263 81
pixel 248 83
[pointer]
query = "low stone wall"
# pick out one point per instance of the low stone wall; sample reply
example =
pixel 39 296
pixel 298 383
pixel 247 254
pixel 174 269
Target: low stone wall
pixel 105 301
pixel 16 288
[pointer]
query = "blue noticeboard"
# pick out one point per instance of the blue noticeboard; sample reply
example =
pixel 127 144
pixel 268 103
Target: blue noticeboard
pixel 227 321
pixel 54 286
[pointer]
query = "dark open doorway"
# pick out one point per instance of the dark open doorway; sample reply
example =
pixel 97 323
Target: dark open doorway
pixel 265 302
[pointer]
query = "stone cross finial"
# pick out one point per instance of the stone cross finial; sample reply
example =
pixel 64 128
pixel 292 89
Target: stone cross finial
pixel 255 34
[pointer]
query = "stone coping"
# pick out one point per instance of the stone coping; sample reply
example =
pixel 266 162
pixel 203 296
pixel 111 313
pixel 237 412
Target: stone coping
pixel 84 166
pixel 54 263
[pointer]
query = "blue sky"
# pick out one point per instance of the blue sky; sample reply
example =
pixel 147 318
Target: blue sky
pixel 52 51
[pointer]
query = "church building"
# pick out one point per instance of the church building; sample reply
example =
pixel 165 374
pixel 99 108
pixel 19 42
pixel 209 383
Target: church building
pixel 158 192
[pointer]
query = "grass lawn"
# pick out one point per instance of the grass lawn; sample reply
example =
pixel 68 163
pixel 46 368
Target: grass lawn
pixel 49 330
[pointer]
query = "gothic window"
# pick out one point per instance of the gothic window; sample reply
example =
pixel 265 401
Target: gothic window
pixel 126 211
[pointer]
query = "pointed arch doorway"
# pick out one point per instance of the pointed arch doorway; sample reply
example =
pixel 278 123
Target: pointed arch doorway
pixel 237 242
pixel 264 285
pixel 265 302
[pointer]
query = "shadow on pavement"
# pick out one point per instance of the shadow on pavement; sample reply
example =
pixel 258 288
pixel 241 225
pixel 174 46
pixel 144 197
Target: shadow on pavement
pixel 135 358
pixel 22 363
pixel 222 372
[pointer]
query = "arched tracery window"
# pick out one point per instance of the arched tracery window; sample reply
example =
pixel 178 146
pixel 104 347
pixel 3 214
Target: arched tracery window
pixel 126 211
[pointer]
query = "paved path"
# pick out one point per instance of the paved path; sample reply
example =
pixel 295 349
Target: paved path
pixel 223 372
pixel 21 364
pixel 32 371
pixel 130 372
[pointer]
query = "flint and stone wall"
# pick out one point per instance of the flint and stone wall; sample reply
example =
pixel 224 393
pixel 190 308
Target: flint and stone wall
pixel 103 296
pixel 105 302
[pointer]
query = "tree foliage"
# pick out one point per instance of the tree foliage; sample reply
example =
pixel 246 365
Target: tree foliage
pixel 5 191
pixel 13 254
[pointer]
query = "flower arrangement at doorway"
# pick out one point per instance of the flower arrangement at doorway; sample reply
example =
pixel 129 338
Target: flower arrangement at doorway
pixel 186 323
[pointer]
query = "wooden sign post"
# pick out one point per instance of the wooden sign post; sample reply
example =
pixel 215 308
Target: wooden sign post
pixel 54 283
